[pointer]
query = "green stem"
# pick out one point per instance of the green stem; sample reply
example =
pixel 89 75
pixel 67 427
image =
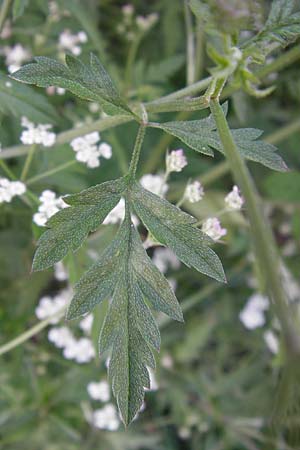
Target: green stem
pixel 190 45
pixel 28 333
pixel 49 172
pixel 7 170
pixel 282 61
pixel 136 151
pixel 27 163
pixel 130 61
pixel 4 12
pixel 264 244
pixel 199 53
pixel 67 136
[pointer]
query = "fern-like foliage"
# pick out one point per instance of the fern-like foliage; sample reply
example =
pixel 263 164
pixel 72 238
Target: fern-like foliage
pixel 202 136
pixel 124 274
pixel 90 82
pixel 281 28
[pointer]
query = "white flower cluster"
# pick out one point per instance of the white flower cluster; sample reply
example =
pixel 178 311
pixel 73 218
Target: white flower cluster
pixel 37 134
pixel 15 56
pixel 106 418
pixel 99 391
pixel 213 228
pixel 175 161
pixel 70 42
pixel 86 324
pixel 252 315
pixel 155 184
pixel 80 350
pixel 50 205
pixel 164 259
pixel 60 272
pixel 88 151
pixel 194 192
pixel 132 25
pixel 53 306
pixel 117 215
pixel 234 200
pixel 10 189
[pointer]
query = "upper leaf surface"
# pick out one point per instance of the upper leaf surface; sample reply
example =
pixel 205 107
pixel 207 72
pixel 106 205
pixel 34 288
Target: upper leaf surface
pixel 282 27
pixel 90 82
pixel 123 271
pixel 202 136
pixel 70 226
pixel 176 229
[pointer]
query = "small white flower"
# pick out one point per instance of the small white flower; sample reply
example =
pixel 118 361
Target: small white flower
pixel 176 161
pixel 17 188
pixel 117 214
pixel 37 134
pixel 69 41
pixel 99 391
pixel 50 205
pixel 194 192
pixel 106 418
pixel 10 189
pixel 272 341
pixel 86 324
pixel 155 184
pixel 252 315
pixel 88 151
pixel 128 10
pixel 167 361
pixel 163 258
pixel 61 337
pixel 105 150
pixel 234 200
pixel 184 433
pixel 144 23
pixel 60 272
pixel 81 350
pixel 49 306
pixel 15 56
pixel 212 227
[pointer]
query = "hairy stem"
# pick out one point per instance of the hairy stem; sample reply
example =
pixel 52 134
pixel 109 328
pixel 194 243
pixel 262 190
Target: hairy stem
pixel 190 45
pixel 4 12
pixel 50 172
pixel 29 333
pixel 136 151
pixel 264 244
pixel 28 162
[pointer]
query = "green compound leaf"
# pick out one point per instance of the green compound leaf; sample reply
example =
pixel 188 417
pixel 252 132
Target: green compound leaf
pixel 282 27
pixel 202 136
pixel 127 273
pixel 90 82
pixel 70 226
pixel 176 229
